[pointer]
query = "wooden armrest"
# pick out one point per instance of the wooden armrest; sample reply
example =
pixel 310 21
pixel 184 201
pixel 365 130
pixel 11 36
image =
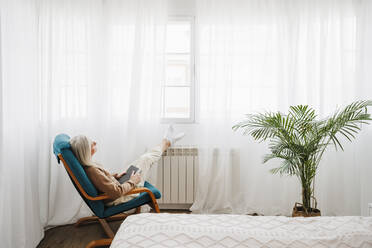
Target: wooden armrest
pixel 98 198
pixel 140 190
pixel 153 202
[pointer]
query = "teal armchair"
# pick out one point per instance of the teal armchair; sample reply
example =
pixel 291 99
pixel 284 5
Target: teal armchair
pixel 147 194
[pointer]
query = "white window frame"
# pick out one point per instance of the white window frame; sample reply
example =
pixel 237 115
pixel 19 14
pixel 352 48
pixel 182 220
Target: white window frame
pixel 191 119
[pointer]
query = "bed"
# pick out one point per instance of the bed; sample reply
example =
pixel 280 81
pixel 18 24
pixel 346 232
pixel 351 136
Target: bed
pixel 225 230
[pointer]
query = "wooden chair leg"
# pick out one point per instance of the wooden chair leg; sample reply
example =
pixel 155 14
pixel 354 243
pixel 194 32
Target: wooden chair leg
pixel 100 242
pixel 93 219
pixel 117 217
pixel 86 220
pixel 106 242
pixel 154 205
pixel 138 210
pixel 157 210
pixel 106 228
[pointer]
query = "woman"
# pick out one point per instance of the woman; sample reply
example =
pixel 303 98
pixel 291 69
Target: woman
pixel 108 183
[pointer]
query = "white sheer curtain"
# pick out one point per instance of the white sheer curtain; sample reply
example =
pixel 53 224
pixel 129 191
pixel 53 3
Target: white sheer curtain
pixel 79 67
pixel 267 55
pixel 95 67
pixel 19 205
pixel 101 65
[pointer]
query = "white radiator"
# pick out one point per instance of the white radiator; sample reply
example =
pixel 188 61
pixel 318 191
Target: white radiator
pixel 176 177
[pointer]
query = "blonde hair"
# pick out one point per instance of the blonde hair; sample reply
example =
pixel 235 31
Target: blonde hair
pixel 81 147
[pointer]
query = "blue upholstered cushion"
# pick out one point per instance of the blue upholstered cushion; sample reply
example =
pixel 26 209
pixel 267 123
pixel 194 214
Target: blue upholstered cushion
pixel 62 146
pixel 97 207
pixel 61 141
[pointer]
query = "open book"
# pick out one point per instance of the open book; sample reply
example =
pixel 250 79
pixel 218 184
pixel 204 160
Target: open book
pixel 128 173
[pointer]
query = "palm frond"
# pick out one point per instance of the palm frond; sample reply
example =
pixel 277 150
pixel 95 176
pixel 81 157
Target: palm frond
pixel 299 140
pixel 347 121
pixel 286 168
pixel 261 126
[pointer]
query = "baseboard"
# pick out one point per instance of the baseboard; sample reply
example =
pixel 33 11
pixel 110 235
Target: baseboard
pixel 174 206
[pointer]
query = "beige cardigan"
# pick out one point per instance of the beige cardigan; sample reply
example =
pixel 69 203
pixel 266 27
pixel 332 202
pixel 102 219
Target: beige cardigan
pixel 107 183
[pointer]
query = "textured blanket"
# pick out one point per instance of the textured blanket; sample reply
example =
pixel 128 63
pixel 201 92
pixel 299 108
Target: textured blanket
pixel 225 230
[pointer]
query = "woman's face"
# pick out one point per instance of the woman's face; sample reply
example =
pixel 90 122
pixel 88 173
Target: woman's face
pixel 93 148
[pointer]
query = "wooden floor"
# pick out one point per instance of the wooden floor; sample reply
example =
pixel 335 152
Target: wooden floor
pixel 69 236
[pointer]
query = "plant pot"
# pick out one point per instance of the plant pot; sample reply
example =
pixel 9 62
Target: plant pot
pixel 298 211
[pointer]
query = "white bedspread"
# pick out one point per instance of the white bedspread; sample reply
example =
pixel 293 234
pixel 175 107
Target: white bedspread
pixel 194 230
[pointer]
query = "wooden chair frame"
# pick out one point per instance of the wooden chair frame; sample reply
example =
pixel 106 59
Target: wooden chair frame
pixel 103 221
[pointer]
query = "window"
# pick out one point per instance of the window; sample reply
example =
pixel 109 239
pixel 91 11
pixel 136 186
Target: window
pixel 72 72
pixel 178 90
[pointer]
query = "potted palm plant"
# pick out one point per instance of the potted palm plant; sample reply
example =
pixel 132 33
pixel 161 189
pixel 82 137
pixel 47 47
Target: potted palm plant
pixel 299 140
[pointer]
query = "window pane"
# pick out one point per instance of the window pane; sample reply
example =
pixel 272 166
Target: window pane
pixel 178 37
pixel 178 70
pixel 176 102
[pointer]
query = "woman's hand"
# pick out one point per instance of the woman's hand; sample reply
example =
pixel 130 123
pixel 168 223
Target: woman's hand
pixel 118 176
pixel 135 178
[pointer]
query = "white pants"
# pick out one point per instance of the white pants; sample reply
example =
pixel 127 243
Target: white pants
pixel 144 163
